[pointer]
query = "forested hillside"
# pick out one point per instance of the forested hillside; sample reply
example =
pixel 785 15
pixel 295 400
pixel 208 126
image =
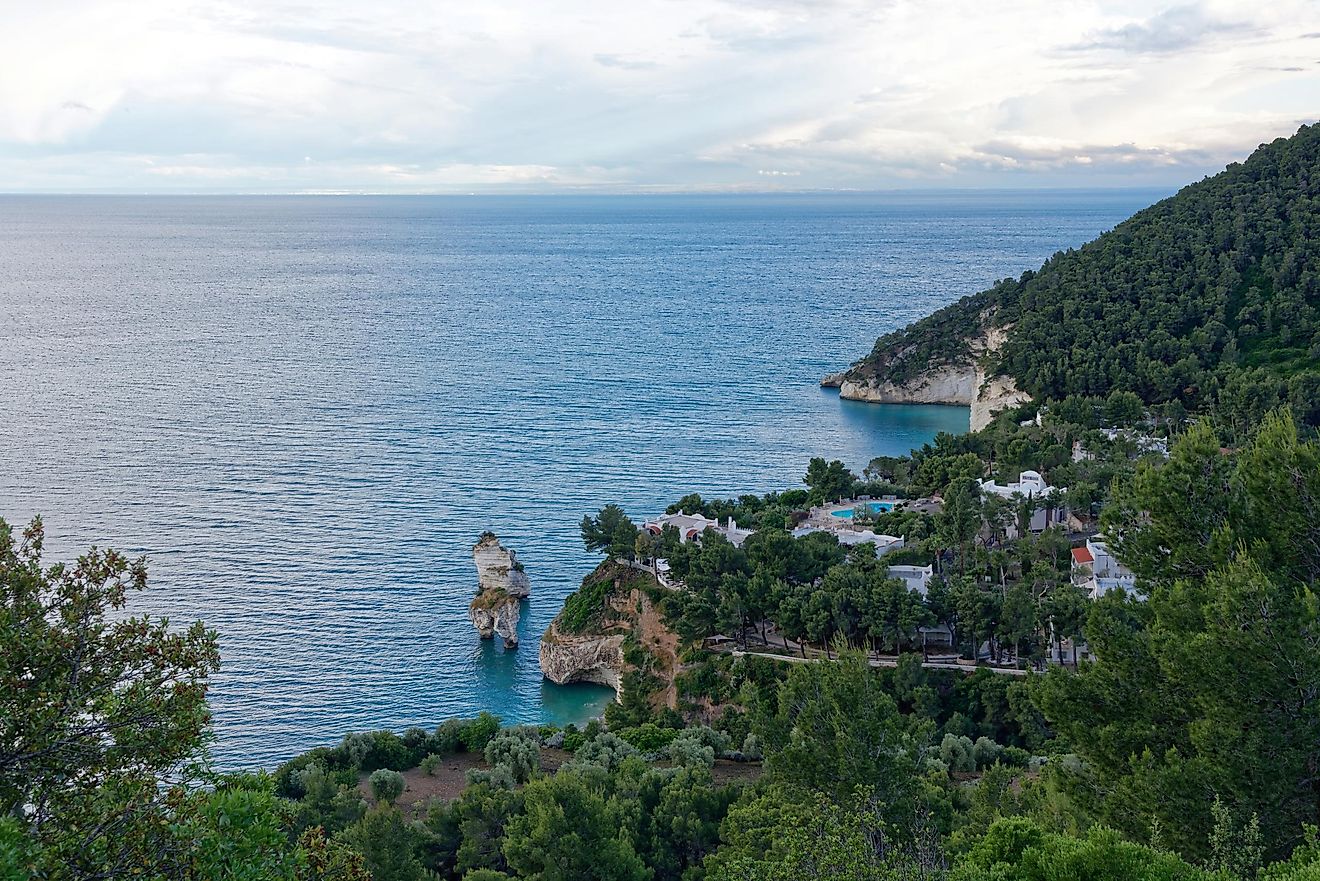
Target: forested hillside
pixel 1208 297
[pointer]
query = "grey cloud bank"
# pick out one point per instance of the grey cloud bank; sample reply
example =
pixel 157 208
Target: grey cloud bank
pixel 148 96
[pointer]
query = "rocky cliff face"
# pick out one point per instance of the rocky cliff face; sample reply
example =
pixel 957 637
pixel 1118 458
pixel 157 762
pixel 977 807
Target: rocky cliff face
pixel 966 383
pixel 594 658
pixel 501 584
pixel 613 608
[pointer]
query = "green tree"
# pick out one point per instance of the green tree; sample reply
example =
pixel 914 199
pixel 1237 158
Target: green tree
pixel 960 519
pixel 610 531
pixel 1017 849
pixel 568 831
pixel 683 826
pixel 836 727
pixel 828 480
pixel 1211 685
pixel 388 843
pixel 99 711
pixel 808 837
pixel 326 802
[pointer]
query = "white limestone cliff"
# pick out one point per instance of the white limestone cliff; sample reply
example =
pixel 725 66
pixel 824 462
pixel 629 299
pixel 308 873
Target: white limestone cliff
pixel 966 384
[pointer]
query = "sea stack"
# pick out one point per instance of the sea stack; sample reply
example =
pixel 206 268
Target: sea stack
pixel 501 584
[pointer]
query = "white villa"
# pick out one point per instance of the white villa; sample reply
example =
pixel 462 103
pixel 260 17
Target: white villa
pixel 691 526
pixel 1096 570
pixel 918 578
pixel 1031 485
pixel 1144 444
pixel 883 543
pixel 915 577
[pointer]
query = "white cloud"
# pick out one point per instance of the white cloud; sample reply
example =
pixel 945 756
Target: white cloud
pixel 396 95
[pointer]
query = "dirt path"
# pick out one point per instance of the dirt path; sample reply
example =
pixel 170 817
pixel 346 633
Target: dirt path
pixel 880 662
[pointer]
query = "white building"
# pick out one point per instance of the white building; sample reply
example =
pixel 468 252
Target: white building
pixel 690 526
pixel 883 543
pixel 1096 570
pixel 915 577
pixel 1030 485
pixel 1142 444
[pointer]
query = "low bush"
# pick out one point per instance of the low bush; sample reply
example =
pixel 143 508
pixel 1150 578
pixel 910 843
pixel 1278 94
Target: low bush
pixel 649 737
pixel 386 785
pixel 516 750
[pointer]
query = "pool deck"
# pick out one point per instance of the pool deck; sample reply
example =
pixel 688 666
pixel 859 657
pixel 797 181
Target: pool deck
pixel 824 516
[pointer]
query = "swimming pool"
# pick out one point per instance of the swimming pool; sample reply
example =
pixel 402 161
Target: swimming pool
pixel 876 508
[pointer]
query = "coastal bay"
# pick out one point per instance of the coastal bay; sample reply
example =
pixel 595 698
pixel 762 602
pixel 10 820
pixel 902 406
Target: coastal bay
pixel 308 409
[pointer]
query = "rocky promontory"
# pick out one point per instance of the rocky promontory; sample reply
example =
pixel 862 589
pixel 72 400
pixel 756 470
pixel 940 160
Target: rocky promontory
pixel 964 379
pixel 607 628
pixel 501 585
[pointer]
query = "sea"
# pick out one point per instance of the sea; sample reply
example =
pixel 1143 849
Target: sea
pixel 304 410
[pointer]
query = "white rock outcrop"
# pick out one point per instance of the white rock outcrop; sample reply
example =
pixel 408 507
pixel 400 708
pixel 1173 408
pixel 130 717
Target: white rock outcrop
pixel 501 585
pixel 966 384
pixel 498 568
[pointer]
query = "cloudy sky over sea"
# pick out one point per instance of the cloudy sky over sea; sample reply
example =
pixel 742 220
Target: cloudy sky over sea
pixel 404 96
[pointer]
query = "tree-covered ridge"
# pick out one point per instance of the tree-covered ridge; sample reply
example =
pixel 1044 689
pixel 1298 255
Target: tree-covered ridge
pixel 1211 296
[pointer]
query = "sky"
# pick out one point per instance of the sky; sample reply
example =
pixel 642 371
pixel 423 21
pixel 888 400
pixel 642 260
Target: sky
pixel 414 96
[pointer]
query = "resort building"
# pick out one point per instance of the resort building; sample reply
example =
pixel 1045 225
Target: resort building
pixel 1029 485
pixel 883 543
pixel 915 577
pixel 690 526
pixel 1096 570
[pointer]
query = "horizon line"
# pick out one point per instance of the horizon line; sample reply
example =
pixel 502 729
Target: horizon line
pixel 658 192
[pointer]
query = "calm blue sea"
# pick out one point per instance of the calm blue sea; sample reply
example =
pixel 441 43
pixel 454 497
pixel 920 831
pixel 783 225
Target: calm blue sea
pixel 305 410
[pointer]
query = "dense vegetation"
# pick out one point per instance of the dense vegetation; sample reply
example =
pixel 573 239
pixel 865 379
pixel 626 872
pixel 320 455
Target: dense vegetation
pixel 1210 298
pixel 826 747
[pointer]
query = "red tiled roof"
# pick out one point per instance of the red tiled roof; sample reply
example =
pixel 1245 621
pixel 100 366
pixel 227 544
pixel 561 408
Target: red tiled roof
pixel 1082 556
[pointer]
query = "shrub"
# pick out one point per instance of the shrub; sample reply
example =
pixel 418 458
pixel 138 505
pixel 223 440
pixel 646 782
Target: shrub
pixel 957 752
pixel 354 748
pixel 476 733
pixel 718 741
pixel 751 748
pixel 429 764
pixel 584 606
pixel 734 722
pixel 386 785
pixel 415 740
pixel 498 777
pixel 516 750
pixel 985 752
pixel 649 737
pixel 288 777
pixel 690 752
pixel 1015 756
pixel 326 801
pixel 445 739
pixel 606 750
pixel 369 750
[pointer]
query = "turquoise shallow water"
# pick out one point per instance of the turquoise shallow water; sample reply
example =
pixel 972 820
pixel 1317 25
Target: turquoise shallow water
pixel 305 410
